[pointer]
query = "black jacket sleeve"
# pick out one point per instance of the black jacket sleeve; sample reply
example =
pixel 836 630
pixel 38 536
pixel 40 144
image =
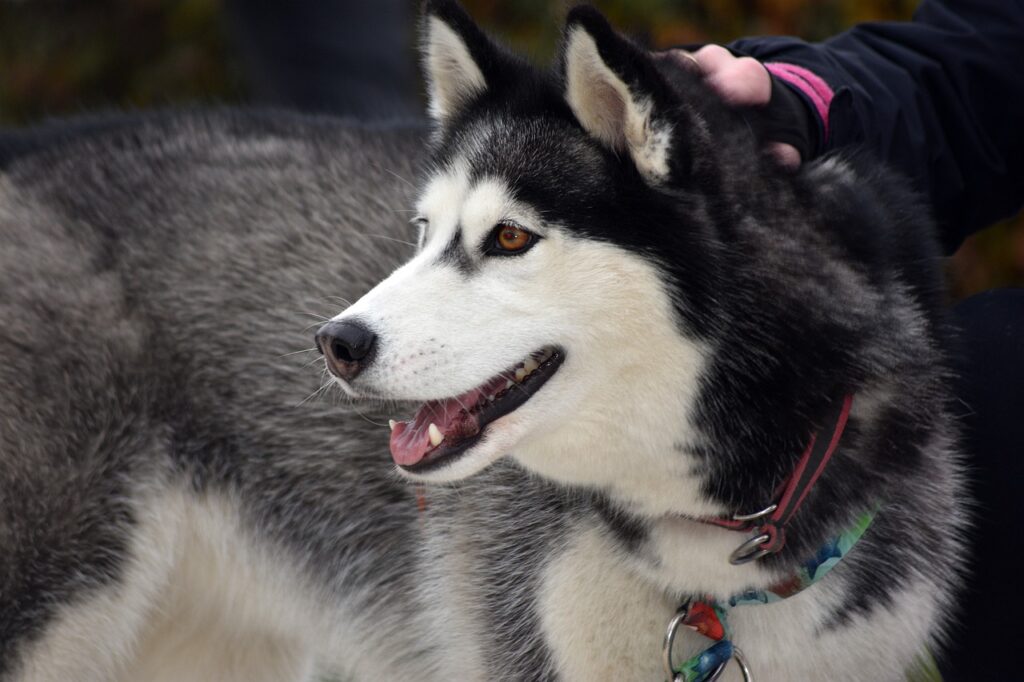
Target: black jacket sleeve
pixel 940 98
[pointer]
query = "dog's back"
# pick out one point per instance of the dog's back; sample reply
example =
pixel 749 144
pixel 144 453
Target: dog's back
pixel 158 281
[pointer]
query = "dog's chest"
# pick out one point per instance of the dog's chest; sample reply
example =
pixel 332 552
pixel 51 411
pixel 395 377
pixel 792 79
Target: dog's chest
pixel 603 619
pixel 600 620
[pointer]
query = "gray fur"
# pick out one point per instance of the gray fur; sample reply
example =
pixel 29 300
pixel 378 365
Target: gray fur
pixel 156 283
pixel 159 285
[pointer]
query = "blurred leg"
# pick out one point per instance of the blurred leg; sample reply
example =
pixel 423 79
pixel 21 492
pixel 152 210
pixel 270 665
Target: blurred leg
pixel 990 382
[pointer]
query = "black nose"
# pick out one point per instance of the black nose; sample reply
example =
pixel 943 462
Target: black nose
pixel 347 345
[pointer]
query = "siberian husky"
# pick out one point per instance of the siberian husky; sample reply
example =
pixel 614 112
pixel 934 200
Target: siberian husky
pixel 621 331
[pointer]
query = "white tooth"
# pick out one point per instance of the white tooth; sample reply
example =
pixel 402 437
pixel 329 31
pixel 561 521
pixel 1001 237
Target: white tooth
pixel 392 424
pixel 530 365
pixel 490 398
pixel 521 373
pixel 509 383
pixel 435 434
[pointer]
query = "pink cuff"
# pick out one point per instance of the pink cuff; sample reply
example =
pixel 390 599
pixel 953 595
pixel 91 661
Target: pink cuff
pixel 813 87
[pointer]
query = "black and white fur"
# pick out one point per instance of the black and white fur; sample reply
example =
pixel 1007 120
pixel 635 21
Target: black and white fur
pixel 172 507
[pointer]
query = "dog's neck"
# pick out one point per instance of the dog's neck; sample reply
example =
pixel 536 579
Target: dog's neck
pixel 689 552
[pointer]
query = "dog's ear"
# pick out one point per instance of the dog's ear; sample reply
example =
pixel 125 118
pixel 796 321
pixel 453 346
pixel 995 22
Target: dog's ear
pixel 457 57
pixel 617 93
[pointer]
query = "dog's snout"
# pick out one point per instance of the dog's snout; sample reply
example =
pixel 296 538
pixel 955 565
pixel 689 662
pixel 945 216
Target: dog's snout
pixel 347 345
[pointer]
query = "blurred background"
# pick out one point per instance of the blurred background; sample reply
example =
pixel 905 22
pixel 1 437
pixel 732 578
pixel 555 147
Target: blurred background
pixel 62 57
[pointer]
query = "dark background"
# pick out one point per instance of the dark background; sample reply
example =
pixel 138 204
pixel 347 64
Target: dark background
pixel 60 57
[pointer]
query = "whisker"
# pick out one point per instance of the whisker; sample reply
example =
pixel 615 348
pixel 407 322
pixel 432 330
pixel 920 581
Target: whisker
pixel 296 352
pixel 461 404
pixel 391 172
pixel 310 326
pixel 382 236
pixel 314 394
pixel 311 362
pixel 356 410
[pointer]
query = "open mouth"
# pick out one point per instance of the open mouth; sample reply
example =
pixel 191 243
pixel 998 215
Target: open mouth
pixel 443 429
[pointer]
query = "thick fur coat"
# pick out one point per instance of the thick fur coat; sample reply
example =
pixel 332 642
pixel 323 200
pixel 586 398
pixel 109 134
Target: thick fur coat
pixel 182 497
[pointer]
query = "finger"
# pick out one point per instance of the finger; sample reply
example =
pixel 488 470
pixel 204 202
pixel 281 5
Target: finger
pixel 742 82
pixel 712 58
pixel 786 154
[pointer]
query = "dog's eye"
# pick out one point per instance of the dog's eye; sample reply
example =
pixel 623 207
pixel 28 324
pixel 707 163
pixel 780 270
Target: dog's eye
pixel 508 239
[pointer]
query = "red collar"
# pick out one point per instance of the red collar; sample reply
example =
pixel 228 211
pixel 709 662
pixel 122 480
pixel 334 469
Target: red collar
pixel 770 523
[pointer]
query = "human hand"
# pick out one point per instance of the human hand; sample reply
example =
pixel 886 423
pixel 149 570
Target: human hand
pixel 740 81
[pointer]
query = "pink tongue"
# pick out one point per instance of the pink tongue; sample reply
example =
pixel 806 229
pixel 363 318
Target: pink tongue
pixel 410 441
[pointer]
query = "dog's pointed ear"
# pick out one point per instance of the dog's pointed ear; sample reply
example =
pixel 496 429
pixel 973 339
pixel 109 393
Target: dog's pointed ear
pixel 456 56
pixel 616 92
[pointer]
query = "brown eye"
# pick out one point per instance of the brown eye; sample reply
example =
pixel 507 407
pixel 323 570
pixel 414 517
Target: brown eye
pixel 508 239
pixel 511 239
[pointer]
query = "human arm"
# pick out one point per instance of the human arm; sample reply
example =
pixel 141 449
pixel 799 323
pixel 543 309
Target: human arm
pixel 940 98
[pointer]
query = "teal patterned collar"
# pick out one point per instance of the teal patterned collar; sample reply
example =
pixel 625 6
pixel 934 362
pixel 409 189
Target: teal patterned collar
pixel 709 617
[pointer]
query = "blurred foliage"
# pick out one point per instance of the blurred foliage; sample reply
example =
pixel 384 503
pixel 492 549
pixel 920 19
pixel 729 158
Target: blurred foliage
pixel 65 56
pixel 533 25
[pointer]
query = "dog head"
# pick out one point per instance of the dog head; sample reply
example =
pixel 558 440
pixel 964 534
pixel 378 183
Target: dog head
pixel 559 308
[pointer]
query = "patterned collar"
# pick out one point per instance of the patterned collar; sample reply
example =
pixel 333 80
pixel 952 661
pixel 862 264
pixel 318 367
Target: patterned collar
pixel 709 617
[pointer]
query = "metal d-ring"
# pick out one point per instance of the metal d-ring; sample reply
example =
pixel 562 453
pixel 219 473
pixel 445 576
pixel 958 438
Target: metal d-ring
pixel 751 550
pixel 717 672
pixel 670 638
pixel 741 661
pixel 757 516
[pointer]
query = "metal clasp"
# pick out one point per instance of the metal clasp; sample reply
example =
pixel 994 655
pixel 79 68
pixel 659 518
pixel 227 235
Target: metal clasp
pixel 666 652
pixel 751 550
pixel 670 638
